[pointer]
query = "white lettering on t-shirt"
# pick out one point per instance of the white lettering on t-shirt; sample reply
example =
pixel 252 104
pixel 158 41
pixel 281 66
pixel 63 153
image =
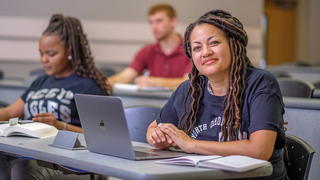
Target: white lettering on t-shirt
pixel 198 129
pixel 30 94
pixel 217 121
pixel 202 128
pixel 52 93
pixel 65 113
pixel 40 94
pixel 67 98
pixel 53 108
pixel 33 108
pixel 41 107
pixel 55 101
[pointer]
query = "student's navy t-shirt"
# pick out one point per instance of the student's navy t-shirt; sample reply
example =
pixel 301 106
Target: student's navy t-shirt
pixel 262 110
pixel 56 96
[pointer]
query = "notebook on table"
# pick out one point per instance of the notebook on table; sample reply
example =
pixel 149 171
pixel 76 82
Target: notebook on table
pixel 235 163
pixel 32 129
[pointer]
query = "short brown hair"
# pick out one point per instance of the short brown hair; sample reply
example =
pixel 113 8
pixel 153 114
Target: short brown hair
pixel 162 7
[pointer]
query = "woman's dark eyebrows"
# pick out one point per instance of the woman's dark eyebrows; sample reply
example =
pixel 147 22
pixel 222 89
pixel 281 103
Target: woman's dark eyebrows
pixel 209 38
pixel 50 50
pixel 197 42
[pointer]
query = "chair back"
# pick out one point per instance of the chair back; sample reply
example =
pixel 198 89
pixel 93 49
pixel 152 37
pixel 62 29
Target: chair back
pixel 280 74
pixel 138 119
pixel 302 115
pixel 1 74
pixel 3 104
pixel 295 88
pixel 317 84
pixel 299 158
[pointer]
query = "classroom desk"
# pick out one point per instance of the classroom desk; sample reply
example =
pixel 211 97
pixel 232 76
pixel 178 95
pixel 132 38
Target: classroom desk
pixel 306 73
pixel 11 89
pixel 140 97
pixel 113 166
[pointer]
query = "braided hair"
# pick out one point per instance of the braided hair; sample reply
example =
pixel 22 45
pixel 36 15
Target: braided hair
pixel 69 30
pixel 237 39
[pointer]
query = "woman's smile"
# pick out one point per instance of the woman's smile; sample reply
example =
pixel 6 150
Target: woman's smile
pixel 209 61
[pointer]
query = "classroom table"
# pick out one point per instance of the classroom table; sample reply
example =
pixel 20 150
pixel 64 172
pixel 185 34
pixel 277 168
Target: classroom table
pixel 131 97
pixel 113 166
pixel 11 89
pixel 305 73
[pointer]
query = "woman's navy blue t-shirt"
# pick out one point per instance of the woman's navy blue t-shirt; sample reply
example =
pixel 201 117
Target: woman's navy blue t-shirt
pixel 262 109
pixel 56 96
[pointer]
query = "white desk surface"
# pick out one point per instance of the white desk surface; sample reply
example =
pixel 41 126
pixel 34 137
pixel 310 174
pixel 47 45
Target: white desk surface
pixel 113 166
pixel 12 82
pixel 133 91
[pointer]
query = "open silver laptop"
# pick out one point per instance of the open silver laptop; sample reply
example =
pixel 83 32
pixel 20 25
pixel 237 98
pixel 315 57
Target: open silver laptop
pixel 106 130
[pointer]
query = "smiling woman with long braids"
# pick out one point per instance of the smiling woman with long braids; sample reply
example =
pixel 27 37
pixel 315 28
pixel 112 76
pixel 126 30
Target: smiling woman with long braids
pixel 227 107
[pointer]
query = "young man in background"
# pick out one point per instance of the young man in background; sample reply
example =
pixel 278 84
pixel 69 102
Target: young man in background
pixel 165 60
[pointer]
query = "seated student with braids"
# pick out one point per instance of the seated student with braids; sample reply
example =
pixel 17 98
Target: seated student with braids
pixel 66 58
pixel 227 107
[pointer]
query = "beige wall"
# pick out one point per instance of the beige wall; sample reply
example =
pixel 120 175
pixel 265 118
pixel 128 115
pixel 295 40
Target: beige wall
pixel 314 31
pixel 117 29
pixel 308 31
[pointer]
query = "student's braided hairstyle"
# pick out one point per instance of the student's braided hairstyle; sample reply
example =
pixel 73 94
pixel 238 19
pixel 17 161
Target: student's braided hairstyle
pixel 237 39
pixel 70 31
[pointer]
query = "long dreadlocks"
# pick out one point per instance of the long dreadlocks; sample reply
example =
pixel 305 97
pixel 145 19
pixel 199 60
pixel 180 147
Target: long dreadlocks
pixel 237 39
pixel 70 31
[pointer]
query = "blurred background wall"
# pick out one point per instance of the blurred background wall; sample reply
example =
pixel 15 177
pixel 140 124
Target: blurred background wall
pixel 117 29
pixel 293 31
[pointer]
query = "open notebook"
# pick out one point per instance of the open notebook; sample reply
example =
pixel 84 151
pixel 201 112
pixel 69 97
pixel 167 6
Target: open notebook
pixel 34 129
pixel 234 163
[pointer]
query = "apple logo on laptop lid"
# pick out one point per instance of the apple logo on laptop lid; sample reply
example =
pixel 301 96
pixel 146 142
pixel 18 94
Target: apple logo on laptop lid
pixel 102 125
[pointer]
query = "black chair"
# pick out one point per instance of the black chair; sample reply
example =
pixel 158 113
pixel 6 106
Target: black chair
pixel 280 74
pixel 1 74
pixel 302 115
pixel 317 84
pixel 138 119
pixel 295 88
pixel 3 104
pixel 316 93
pixel 298 158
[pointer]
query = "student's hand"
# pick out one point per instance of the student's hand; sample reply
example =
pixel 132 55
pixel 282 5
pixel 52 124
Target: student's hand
pixel 143 81
pixel 48 118
pixel 159 139
pixel 179 137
